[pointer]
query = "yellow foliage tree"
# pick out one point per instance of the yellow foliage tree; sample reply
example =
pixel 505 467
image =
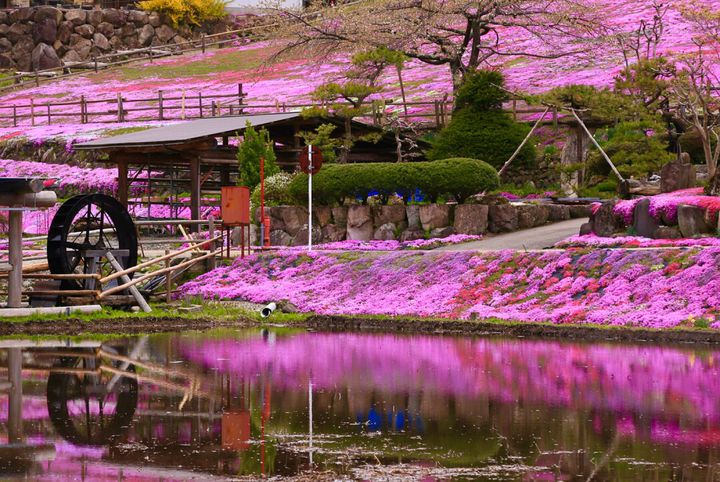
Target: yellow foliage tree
pixel 186 12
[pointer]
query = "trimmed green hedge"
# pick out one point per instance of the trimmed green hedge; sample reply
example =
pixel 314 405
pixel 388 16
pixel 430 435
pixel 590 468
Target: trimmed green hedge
pixel 337 183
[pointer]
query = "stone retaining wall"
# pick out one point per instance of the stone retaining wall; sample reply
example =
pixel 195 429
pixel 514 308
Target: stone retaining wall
pixel 404 223
pixel 45 37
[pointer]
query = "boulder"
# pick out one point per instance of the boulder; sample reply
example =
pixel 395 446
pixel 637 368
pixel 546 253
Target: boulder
pixel 558 212
pixel 113 16
pixel 322 215
pixel 101 42
pixel 6 62
pixel 146 35
pixel 138 17
pixel 471 219
pixel 603 220
pixel 4 29
pixel 276 218
pixel 4 17
pixel 23 14
pixel 643 223
pixel 155 19
pixel 340 215
pixel 5 45
pixel 18 32
pixel 691 220
pixel 71 56
pixel 503 218
pixel 332 233
pixel 360 223
pixel 413 216
pixel 106 29
pixel 76 16
pixel 280 238
pixel 44 13
pixel 45 57
pixel 677 175
pixel 394 214
pixel 294 218
pixel 116 43
pixel 60 48
pixel 81 45
pixel 65 31
pixel 21 53
pixel 95 17
pixel 527 214
pixel 45 31
pixel 411 234
pixel 488 199
pixel 442 232
pixel 580 211
pixel 85 31
pixel 586 229
pixel 164 33
pixel 236 236
pixel 127 30
pixel 386 232
pixel 668 232
pixel 301 238
pixel 178 39
pixel 434 216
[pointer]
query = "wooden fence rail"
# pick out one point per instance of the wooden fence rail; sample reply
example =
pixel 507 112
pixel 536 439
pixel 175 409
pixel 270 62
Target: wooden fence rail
pixel 181 105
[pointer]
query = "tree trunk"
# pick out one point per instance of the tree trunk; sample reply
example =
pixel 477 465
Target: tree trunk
pixel 713 187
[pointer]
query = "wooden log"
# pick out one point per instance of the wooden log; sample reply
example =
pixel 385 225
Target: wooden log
pixel 126 279
pixel 54 310
pixel 156 273
pixel 151 262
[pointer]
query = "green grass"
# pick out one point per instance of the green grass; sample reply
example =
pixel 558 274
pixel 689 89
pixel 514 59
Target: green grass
pixel 124 130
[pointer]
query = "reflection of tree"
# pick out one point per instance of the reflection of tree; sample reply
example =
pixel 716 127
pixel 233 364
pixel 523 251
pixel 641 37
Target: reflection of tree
pixel 84 407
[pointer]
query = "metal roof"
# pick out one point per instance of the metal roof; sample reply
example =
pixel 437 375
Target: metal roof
pixel 187 131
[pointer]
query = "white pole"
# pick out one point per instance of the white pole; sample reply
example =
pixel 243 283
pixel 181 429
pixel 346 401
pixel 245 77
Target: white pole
pixel 310 169
pixel 310 424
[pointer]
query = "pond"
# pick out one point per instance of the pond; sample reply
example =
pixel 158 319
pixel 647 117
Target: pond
pixel 289 403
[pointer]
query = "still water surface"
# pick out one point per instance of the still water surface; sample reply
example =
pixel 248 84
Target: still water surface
pixel 243 404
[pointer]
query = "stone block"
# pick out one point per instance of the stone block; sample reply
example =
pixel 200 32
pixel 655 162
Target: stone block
pixel 691 220
pixel 411 234
pixel 412 213
pixel 294 218
pixel 394 214
pixel 677 175
pixel 603 221
pixel 385 232
pixel 668 232
pixel 471 219
pixel 643 223
pixel 360 223
pixel 527 214
pixel 442 232
pixel 558 212
pixel 339 216
pixel 322 215
pixel 580 211
pixel 333 233
pixel 503 218
pixel 433 216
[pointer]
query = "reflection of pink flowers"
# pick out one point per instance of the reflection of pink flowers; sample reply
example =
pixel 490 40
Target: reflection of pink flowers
pixel 609 287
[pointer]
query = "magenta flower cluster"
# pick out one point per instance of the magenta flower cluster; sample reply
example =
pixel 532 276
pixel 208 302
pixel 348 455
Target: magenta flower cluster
pixel 663 207
pixel 391 245
pixel 650 288
pixel 593 241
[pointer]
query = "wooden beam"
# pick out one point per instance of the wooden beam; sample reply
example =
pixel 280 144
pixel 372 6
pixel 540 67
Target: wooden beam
pixel 123 184
pixel 195 191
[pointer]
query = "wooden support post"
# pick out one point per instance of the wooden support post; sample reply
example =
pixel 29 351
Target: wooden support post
pixel 437 114
pixel 241 97
pixel 211 228
pixel 212 109
pixel 161 113
pixel 200 105
pixel 602 151
pixel 202 40
pixel 194 191
pixel 126 279
pixel 96 63
pixel 514 109
pixel 182 106
pixel 15 400
pixel 121 115
pixel 48 114
pixel 37 79
pixel 32 111
pixel 122 165
pixel 168 278
pixel 83 110
pixel 15 118
pixel 15 258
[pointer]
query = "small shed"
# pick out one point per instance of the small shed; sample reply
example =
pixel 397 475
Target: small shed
pixel 199 156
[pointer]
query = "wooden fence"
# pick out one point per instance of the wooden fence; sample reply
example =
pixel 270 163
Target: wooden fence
pixel 181 105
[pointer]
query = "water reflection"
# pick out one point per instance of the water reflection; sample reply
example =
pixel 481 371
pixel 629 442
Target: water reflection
pixel 227 404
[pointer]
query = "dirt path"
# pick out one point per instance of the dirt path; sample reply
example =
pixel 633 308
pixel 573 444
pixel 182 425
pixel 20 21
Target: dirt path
pixel 527 239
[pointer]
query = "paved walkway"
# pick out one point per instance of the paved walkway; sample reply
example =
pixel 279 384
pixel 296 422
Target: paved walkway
pixel 534 238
